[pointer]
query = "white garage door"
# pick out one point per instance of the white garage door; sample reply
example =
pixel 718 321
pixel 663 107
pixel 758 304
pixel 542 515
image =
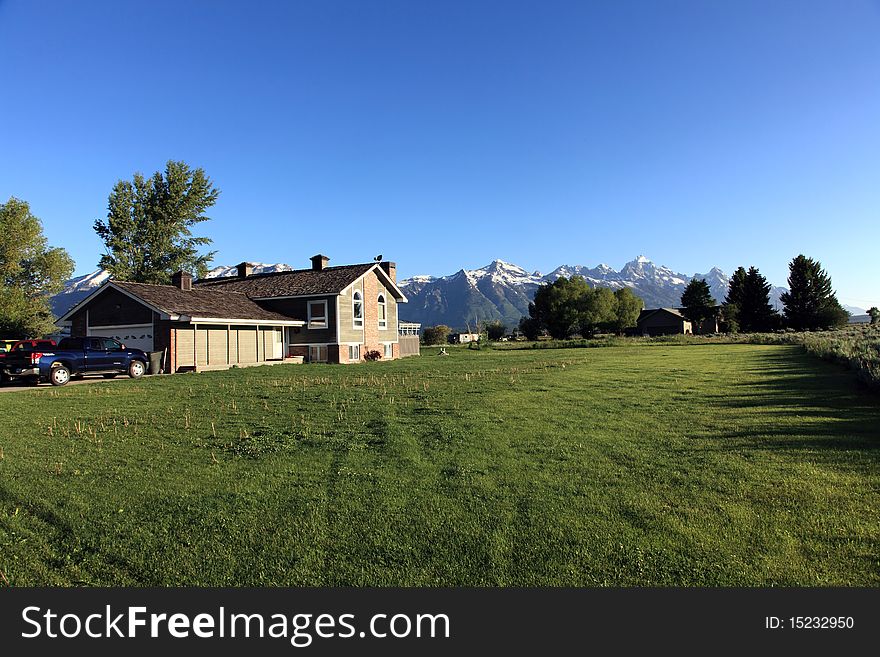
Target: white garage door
pixel 135 336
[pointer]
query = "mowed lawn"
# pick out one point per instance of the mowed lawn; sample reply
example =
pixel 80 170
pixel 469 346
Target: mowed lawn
pixel 733 465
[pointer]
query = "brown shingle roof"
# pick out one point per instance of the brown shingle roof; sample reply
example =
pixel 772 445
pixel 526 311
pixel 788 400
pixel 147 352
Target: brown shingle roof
pixel 300 282
pixel 200 303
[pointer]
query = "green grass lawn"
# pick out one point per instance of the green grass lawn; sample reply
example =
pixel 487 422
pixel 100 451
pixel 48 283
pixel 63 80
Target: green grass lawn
pixel 734 465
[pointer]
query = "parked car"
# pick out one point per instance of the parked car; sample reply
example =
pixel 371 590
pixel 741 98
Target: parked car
pixel 18 346
pixel 76 357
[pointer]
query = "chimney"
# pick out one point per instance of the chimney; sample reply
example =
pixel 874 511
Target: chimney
pixel 182 280
pixel 319 262
pixel 245 269
pixel 390 269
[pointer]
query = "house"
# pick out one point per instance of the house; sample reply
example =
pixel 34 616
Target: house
pixel 464 338
pixel 670 321
pixel 319 314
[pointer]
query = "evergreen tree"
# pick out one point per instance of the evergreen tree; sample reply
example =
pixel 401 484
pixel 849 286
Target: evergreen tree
pixel 629 306
pixel 30 272
pixel 755 312
pixel 697 303
pixel 875 314
pixel 733 301
pixel 148 230
pixel 810 302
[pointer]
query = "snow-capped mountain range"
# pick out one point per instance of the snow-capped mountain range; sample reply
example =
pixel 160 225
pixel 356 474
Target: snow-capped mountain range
pixel 500 290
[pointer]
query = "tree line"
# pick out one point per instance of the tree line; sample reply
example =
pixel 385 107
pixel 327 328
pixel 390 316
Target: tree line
pixel 809 304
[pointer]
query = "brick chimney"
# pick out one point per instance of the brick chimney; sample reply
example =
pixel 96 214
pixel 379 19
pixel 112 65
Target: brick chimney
pixel 245 269
pixel 182 280
pixel 390 269
pixel 319 262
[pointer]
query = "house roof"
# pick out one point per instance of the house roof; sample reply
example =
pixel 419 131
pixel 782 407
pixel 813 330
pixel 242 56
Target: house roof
pixel 199 303
pixel 299 282
pixel 650 312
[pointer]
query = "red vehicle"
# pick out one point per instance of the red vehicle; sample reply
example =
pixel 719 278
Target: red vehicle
pixel 22 345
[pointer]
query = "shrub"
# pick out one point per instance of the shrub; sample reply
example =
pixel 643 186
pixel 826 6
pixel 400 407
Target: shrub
pixel 372 355
pixel 435 334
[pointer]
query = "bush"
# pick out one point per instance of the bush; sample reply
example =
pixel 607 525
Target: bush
pixel 435 334
pixel 495 330
pixel 372 355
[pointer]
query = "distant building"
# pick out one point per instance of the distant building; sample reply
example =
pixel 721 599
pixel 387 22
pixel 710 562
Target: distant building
pixel 464 338
pixel 670 321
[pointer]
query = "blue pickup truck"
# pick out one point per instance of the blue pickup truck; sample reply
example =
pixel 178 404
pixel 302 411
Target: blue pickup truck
pixel 75 357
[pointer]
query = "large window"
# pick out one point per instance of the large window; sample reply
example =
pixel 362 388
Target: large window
pixel 357 309
pixel 354 352
pixel 317 314
pixel 383 312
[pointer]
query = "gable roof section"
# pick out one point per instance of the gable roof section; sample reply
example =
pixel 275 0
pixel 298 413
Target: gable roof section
pixel 200 303
pixel 648 313
pixel 174 303
pixel 297 283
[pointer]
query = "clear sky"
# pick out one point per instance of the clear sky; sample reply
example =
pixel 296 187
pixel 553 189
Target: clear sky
pixel 446 134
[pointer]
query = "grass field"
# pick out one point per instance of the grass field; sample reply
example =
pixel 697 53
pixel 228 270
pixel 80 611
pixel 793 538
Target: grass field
pixel 736 464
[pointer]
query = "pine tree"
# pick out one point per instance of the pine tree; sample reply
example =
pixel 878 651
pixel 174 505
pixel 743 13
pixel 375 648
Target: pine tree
pixel 697 303
pixel 756 313
pixel 30 272
pixel 810 302
pixel 147 233
pixel 733 301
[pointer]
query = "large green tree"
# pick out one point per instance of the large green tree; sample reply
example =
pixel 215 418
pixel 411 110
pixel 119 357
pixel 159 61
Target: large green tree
pixel 629 306
pixel 730 309
pixel 598 311
pixel 697 304
pixel 810 302
pixel 558 306
pixel 30 272
pixel 756 314
pixel 148 231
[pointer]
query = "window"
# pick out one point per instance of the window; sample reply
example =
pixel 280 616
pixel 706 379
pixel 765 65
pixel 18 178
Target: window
pixel 111 345
pixel 357 309
pixel 389 351
pixel 317 314
pixel 354 352
pixel 318 354
pixel 383 312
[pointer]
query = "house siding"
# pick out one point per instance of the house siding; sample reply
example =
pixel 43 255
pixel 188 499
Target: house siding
pixel 298 308
pixel 347 332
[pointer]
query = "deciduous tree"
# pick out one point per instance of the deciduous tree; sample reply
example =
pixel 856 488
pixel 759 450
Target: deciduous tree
pixel 436 334
pixel 629 306
pixel 148 230
pixel 30 272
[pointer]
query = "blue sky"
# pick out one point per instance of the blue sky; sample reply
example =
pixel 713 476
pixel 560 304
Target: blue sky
pixel 447 134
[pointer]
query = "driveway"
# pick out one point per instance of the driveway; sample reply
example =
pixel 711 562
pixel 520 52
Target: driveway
pixel 12 387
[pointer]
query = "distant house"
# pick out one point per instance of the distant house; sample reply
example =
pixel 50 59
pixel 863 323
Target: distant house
pixel 320 314
pixel 464 338
pixel 670 321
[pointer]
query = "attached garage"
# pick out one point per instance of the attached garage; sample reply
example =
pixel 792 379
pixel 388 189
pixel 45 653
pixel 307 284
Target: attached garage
pixel 136 336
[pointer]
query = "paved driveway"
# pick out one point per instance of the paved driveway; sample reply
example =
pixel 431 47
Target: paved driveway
pixel 12 387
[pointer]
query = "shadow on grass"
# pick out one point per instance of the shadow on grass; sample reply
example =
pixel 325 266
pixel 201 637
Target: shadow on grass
pixel 812 405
